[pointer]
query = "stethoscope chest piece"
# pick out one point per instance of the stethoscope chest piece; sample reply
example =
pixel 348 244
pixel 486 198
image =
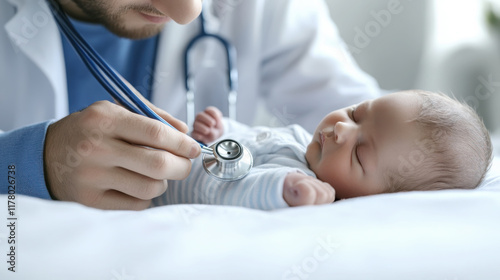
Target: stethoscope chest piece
pixel 230 161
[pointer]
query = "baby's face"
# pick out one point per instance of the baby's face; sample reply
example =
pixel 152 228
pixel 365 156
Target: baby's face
pixel 353 148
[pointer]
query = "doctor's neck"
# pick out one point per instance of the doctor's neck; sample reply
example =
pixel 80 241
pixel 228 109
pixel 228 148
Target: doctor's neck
pixel 72 9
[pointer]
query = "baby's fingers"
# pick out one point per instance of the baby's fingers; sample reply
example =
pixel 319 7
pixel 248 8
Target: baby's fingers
pixel 325 193
pixel 200 128
pixel 300 189
pixel 215 113
pixel 205 119
pixel 298 195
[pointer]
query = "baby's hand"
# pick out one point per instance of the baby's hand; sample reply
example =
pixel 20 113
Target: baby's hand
pixel 300 189
pixel 208 126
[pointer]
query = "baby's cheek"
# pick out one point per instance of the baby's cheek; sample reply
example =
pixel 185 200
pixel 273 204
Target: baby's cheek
pixel 313 155
pixel 335 175
pixel 325 173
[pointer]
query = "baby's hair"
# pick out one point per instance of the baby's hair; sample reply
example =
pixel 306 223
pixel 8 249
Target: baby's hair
pixel 455 150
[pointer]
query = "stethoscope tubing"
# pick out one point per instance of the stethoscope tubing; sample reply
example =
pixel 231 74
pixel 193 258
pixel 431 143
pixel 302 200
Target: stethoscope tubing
pixel 96 64
pixel 104 73
pixel 232 71
pixel 230 52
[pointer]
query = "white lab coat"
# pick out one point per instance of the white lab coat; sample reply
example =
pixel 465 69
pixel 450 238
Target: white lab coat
pixel 290 58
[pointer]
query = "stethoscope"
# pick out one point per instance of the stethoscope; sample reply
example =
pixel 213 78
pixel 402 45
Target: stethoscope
pixel 226 160
pixel 232 71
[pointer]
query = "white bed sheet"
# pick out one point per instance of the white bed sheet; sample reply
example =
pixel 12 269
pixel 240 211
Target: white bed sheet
pixel 446 235
pixel 421 235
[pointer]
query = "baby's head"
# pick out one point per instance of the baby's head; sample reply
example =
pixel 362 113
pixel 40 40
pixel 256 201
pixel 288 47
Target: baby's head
pixel 412 140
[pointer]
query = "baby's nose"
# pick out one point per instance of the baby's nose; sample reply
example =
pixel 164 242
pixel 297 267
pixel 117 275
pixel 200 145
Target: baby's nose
pixel 343 132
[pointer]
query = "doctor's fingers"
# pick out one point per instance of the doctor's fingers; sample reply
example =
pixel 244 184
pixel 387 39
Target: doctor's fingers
pixel 115 200
pixel 112 187
pixel 153 163
pixel 129 183
pixel 140 130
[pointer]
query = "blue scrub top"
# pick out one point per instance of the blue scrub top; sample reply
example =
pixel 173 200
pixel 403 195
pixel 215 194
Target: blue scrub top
pixel 133 59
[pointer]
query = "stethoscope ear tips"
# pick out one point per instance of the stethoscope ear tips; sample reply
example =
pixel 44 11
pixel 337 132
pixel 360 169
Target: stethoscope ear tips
pixel 230 160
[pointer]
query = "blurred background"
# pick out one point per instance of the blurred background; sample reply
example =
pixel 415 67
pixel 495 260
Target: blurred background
pixel 438 45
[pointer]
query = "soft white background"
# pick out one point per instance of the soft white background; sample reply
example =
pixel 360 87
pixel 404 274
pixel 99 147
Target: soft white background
pixel 449 235
pixel 439 45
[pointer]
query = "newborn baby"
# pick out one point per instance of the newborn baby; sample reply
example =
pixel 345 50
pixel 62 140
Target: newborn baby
pixel 411 140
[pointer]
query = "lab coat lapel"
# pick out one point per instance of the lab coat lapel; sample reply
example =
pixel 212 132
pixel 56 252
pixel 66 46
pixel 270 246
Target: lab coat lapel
pixel 168 87
pixel 34 32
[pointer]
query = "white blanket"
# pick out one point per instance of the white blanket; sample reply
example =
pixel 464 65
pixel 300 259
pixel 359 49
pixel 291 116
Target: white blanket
pixel 420 235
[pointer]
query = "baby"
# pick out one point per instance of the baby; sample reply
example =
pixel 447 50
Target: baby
pixel 405 141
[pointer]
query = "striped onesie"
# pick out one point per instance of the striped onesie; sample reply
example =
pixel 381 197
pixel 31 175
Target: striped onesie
pixel 276 152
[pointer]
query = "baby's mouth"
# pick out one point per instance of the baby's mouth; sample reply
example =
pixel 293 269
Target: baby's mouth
pixel 325 133
pixel 321 139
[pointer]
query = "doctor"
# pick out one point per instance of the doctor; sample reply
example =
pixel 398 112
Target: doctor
pixel 290 58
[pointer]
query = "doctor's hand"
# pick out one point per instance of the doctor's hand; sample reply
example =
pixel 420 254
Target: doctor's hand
pixel 208 126
pixel 300 189
pixel 108 157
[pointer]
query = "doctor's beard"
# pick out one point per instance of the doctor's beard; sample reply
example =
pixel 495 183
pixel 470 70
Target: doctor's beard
pixel 115 18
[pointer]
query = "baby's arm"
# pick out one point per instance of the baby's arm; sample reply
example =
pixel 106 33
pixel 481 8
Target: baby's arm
pixel 208 126
pixel 300 189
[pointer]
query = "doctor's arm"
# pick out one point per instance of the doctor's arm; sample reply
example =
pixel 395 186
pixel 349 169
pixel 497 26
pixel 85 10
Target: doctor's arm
pixel 21 158
pixel 107 157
